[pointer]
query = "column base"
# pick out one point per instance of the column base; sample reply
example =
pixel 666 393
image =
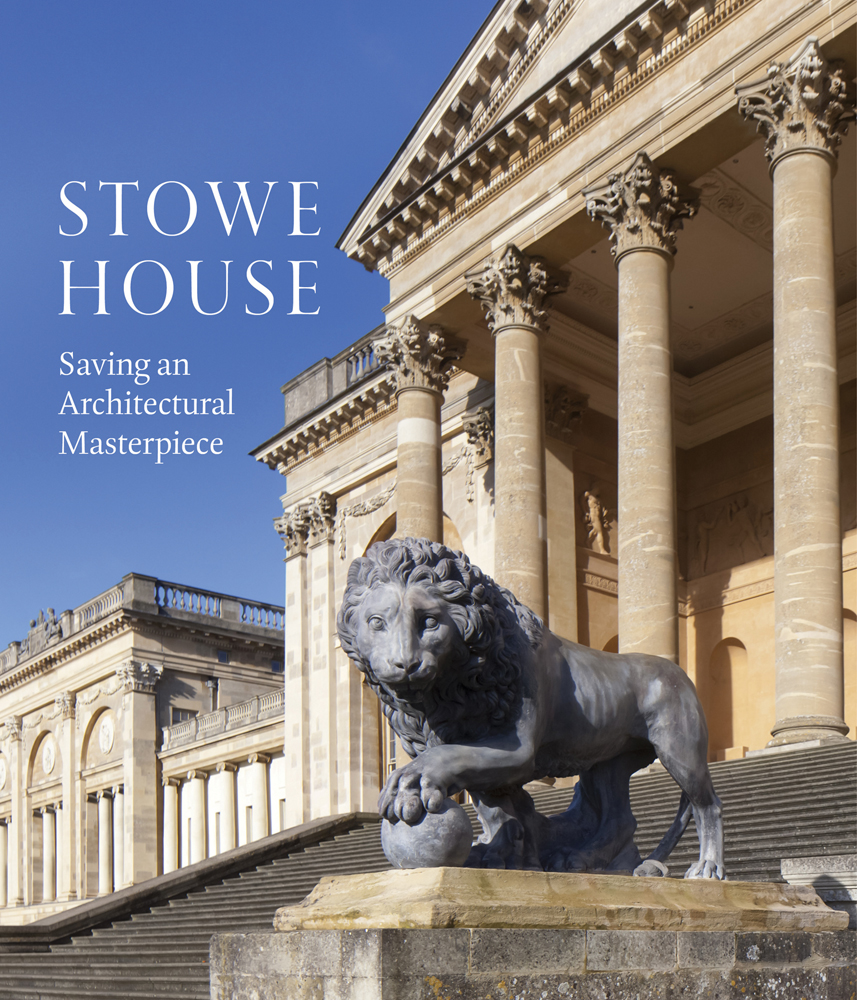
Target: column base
pixel 803 728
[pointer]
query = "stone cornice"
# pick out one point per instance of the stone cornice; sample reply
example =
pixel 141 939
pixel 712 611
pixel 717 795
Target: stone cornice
pixel 343 418
pixel 651 40
pixel 800 105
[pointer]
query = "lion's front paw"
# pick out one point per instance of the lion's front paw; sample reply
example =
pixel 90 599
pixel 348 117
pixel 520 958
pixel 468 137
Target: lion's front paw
pixel 408 795
pixel 705 869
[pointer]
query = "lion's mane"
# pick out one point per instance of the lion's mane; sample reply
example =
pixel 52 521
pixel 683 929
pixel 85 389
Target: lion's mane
pixel 467 704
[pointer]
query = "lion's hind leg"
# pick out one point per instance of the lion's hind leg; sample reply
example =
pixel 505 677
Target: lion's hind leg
pixel 685 760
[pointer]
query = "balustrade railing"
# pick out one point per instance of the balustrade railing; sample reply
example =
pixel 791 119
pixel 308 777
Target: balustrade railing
pixel 146 594
pixel 265 706
pixel 360 363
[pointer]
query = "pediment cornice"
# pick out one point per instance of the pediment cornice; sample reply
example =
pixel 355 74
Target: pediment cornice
pixel 471 143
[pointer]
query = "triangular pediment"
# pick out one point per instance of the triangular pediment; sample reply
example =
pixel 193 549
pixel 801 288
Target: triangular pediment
pixel 528 62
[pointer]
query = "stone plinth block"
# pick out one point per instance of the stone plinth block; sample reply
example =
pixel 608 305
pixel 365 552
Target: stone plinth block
pixel 471 897
pixel 499 964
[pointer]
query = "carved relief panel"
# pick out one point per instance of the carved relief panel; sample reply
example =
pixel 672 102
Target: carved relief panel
pixel 730 531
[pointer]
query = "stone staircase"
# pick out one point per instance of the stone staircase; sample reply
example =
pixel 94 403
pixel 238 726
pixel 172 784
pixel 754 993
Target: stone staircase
pixel 784 805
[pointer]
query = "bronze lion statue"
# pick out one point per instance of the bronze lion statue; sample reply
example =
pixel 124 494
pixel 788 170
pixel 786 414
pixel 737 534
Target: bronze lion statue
pixel 484 697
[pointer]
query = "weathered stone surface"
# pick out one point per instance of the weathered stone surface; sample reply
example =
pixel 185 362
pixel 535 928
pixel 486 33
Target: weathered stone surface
pixel 465 897
pixel 524 964
pixel 706 950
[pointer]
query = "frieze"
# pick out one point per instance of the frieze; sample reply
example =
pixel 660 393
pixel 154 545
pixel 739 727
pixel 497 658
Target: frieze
pixel 596 582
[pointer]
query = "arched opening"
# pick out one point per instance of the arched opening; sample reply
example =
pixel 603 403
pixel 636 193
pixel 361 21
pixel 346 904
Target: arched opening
pixel 387 530
pixel 729 709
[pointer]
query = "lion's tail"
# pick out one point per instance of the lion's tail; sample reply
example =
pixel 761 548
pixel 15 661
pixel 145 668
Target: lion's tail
pixel 674 834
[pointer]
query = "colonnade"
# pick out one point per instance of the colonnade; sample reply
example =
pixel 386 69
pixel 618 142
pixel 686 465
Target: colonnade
pixel 205 812
pixel 643 208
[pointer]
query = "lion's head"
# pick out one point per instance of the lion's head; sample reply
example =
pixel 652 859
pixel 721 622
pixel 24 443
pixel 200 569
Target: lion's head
pixel 438 641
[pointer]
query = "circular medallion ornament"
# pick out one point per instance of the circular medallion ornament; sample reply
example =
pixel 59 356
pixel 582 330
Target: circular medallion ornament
pixel 49 756
pixel 105 735
pixel 2 771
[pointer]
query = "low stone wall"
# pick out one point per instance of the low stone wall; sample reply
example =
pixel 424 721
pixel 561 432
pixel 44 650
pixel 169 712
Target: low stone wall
pixel 502 964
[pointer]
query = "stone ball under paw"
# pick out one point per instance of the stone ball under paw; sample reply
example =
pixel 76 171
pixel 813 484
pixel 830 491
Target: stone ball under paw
pixel 441 839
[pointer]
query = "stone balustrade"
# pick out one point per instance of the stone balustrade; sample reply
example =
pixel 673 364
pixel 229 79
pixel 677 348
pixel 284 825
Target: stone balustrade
pixel 257 709
pixel 144 594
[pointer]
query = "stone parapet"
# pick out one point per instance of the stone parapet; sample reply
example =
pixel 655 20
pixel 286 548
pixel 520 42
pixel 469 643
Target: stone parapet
pixel 490 964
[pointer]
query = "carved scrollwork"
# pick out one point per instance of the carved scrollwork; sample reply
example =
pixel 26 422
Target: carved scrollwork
pixel 643 207
pixel 418 355
pixel 802 104
pixel 312 520
pixel 512 289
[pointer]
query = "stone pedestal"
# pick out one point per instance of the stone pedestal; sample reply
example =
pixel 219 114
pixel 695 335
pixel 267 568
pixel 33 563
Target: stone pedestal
pixel 440 933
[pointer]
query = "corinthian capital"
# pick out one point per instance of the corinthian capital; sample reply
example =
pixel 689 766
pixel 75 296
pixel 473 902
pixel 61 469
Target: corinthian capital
pixel 643 207
pixel 417 354
pixel 294 527
pixel 512 289
pixel 800 105
pixel 322 516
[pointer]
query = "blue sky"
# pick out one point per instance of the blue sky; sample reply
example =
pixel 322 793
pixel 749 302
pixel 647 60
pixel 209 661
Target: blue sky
pixel 192 92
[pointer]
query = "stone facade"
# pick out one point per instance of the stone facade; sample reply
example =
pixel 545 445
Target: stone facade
pixel 116 714
pixel 653 318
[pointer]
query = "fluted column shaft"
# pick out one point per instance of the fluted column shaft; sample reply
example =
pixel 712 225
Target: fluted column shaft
pixel 802 110
pixel 648 606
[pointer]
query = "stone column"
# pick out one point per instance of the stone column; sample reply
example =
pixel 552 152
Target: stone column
pixel 105 843
pixel 259 794
pixel 802 110
pixel 171 825
pixel 118 837
pixel 227 805
pixel 643 208
pixel 323 740
pixel 294 527
pixel 196 816
pixel 512 290
pixel 68 836
pixel 49 854
pixel 140 769
pixel 4 894
pixel 16 830
pixel 420 360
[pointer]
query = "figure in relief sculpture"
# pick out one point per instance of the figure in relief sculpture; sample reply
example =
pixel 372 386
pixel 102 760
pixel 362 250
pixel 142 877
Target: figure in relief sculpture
pixel 485 698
